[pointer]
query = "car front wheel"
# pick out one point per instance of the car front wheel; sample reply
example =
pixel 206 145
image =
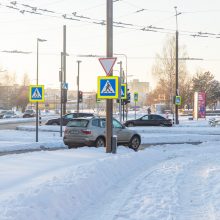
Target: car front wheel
pixel 134 143
pixel 100 142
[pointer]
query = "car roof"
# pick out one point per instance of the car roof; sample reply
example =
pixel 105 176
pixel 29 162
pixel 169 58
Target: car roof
pixel 88 118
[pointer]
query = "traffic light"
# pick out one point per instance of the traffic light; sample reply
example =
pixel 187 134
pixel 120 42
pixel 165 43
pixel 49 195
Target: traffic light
pixel 128 97
pixel 128 100
pixel 80 95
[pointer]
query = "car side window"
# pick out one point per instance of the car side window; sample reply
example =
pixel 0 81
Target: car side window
pixel 145 117
pixel 156 117
pixel 102 123
pixel 150 117
pixel 68 116
pixel 116 124
pixel 95 122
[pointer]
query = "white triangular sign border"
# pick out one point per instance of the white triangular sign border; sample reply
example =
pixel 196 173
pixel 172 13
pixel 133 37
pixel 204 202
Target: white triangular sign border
pixel 107 64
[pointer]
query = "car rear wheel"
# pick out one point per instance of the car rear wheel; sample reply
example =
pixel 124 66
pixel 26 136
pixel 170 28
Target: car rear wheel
pixel 134 143
pixel 100 142
pixel 70 146
pixel 130 124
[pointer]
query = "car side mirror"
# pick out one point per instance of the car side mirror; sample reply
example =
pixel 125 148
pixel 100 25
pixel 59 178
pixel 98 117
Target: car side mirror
pixel 123 126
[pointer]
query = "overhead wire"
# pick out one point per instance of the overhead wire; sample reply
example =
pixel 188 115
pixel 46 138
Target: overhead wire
pixel 75 16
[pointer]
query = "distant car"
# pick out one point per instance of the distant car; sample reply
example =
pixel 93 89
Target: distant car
pixel 91 132
pixel 10 114
pixel 149 120
pixel 67 118
pixel 2 113
pixel 29 113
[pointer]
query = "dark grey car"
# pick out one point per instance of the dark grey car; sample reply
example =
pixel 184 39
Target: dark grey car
pixel 68 117
pixel 92 132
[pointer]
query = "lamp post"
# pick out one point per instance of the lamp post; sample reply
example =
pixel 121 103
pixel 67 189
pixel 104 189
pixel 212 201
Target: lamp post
pixel 126 76
pixel 63 92
pixel 126 64
pixel 38 40
pixel 78 62
pixel 119 97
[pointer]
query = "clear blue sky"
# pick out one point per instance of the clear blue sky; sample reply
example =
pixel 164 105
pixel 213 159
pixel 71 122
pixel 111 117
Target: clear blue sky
pixel 19 31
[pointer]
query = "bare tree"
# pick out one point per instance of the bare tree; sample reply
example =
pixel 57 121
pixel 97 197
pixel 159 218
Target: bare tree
pixel 164 71
pixel 20 96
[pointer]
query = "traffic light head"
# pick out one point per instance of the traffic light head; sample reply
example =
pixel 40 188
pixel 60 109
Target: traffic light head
pixel 129 97
pixel 80 95
pixel 128 100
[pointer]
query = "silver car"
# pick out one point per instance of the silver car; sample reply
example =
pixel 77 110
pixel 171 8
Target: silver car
pixel 92 132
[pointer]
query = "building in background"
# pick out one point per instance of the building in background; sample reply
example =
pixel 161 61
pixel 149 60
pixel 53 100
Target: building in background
pixel 142 88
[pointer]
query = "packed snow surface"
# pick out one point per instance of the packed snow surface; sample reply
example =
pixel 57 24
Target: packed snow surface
pixel 164 182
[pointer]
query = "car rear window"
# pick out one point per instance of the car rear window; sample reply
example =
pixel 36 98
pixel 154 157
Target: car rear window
pixel 78 123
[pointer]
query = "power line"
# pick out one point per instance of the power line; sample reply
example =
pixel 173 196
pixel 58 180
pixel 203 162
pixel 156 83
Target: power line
pixel 25 8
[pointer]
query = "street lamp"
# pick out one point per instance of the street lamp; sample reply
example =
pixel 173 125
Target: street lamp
pixel 126 76
pixel 78 61
pixel 126 59
pixel 38 40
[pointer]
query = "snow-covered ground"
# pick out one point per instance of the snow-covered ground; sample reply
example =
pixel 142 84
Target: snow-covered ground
pixel 166 182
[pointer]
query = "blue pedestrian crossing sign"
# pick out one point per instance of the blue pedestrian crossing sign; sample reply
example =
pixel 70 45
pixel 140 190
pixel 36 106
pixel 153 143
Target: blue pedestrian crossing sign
pixel 107 87
pixel 123 91
pixel 36 93
pixel 65 85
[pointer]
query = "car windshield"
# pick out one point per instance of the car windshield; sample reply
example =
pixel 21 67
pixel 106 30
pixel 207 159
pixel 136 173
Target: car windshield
pixel 9 113
pixel 78 123
pixel 29 111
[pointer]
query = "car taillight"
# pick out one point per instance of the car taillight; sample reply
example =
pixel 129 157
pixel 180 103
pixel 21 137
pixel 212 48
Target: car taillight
pixel 86 132
pixel 66 131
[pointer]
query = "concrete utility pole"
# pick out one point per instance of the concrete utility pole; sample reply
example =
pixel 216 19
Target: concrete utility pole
pixel 64 63
pixel 109 102
pixel 177 66
pixel 78 61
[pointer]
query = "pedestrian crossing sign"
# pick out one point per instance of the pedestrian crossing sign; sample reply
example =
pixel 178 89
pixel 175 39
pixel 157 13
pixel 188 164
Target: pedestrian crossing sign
pixel 123 91
pixel 107 87
pixel 36 93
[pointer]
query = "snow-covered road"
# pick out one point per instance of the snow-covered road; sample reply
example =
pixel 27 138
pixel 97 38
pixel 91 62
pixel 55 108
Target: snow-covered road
pixel 183 185
pixel 167 182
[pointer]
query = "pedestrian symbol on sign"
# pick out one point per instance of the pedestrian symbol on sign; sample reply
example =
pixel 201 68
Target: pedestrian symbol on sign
pixel 107 88
pixel 36 94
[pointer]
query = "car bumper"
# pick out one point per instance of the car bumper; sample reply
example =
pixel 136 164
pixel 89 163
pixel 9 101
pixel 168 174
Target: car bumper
pixel 78 141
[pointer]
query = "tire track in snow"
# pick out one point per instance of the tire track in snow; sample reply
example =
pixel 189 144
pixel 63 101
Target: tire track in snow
pixel 196 190
pixel 134 198
pixel 181 187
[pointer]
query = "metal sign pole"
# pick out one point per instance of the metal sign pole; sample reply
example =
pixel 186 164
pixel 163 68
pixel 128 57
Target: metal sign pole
pixel 109 103
pixel 61 95
pixel 135 109
pixel 37 102
pixel 120 82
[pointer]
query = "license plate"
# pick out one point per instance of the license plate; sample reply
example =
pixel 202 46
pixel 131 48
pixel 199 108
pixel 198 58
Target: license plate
pixel 74 132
